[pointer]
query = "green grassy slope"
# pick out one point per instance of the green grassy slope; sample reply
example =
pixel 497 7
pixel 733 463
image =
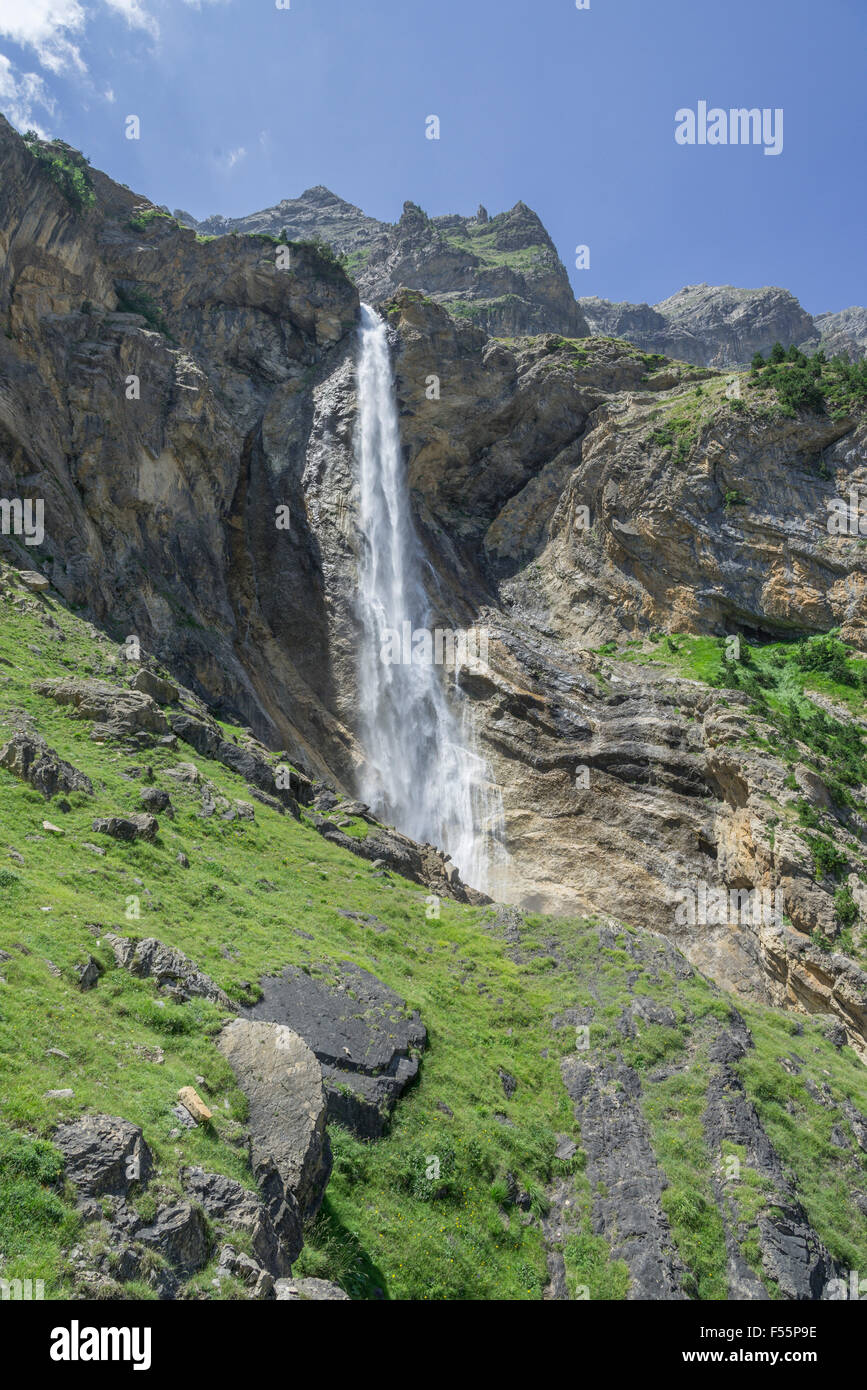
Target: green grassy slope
pixel 261 894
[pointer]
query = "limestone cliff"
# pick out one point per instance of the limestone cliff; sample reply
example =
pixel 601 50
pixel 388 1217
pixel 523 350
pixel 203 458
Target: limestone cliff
pixel 571 493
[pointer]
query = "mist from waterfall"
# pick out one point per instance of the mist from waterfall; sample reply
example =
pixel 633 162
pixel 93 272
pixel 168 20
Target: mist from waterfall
pixel 421 772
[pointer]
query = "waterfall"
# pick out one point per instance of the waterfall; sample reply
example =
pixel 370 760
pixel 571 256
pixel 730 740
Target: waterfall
pixel 421 770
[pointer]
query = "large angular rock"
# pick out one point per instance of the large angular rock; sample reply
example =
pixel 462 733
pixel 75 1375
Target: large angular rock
pixel 289 1149
pixel 28 756
pixel 138 826
pixel 34 581
pixel 103 1154
pixel 226 1202
pixel 360 1031
pixel 179 1233
pixel 172 970
pixel 204 737
pixel 118 710
pixel 163 691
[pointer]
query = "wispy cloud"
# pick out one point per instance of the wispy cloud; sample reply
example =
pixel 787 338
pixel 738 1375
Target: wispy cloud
pixel 55 32
pixel 136 16
pixel 20 93
pixel 50 28
pixel 228 161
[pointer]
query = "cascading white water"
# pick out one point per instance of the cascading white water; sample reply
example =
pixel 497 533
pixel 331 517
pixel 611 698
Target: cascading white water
pixel 421 772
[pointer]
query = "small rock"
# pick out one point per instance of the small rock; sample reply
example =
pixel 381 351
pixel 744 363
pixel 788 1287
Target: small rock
pixel 193 1102
pixel 135 827
pixel 57 1052
pixel 155 799
pixel 47 825
pixel 32 580
pixel 508 1081
pixel 88 973
pixel 58 1095
pixel 182 859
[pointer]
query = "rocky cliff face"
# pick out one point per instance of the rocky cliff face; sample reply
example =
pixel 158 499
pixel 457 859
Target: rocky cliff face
pixel 642 544
pixel 570 493
pixel 503 272
pixel 844 333
pixel 318 213
pixel 709 325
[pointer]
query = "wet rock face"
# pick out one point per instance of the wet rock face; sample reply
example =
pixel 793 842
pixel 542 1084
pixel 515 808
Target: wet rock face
pixel 289 1150
pixel 361 1033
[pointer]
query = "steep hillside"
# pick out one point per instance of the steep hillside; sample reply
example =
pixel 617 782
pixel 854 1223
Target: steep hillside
pixel 588 1116
pixel 672 707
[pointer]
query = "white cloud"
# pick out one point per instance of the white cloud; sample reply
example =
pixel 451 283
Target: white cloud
pixel 135 15
pixel 20 92
pixel 48 27
pixel 54 29
pixel 234 157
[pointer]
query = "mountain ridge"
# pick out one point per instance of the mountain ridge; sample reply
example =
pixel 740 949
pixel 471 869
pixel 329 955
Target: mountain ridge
pixel 723 327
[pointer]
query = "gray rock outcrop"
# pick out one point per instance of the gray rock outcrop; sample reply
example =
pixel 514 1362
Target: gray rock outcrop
pixel 289 1148
pixel 366 1041
pixel 28 756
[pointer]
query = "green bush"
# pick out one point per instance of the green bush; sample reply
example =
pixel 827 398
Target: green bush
pixel 827 859
pixel 828 655
pixel 134 300
pixel 66 167
pixel 846 908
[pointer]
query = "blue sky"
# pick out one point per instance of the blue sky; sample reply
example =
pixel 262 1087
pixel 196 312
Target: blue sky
pixel 242 103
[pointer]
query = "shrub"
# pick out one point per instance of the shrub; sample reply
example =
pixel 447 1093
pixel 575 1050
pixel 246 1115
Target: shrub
pixel 826 654
pixel 827 859
pixel 66 167
pixel 846 908
pixel 134 300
